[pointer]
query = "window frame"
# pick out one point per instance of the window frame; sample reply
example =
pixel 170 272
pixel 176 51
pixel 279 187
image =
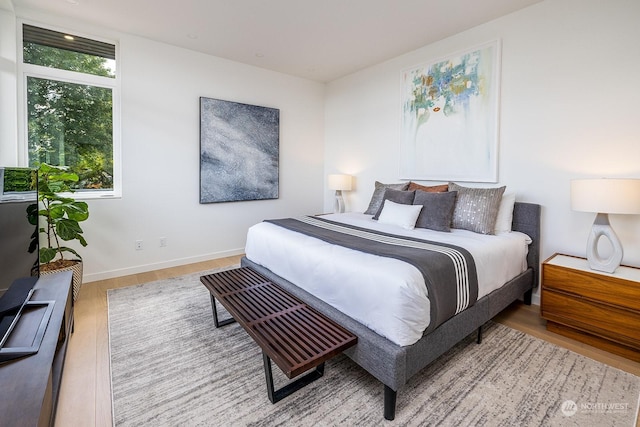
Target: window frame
pixel 41 72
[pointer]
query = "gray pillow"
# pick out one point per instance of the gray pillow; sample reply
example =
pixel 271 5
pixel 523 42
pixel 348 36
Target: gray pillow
pixel 437 209
pixel 476 208
pixel 378 193
pixel 398 196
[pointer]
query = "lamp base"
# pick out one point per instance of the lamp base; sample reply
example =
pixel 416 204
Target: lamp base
pixel 338 206
pixel 602 228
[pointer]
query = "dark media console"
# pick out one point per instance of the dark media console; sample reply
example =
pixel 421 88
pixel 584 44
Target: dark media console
pixel 29 386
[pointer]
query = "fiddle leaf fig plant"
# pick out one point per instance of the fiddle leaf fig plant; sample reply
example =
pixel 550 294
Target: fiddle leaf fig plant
pixel 61 213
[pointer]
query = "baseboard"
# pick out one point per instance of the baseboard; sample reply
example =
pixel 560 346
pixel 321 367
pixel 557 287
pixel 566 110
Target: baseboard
pixel 535 298
pixel 88 278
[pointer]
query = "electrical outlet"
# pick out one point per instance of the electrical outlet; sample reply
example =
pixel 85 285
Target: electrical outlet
pixel 138 245
pixel 163 242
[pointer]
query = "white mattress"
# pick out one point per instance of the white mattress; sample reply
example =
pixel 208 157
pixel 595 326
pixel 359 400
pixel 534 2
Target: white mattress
pixel 387 295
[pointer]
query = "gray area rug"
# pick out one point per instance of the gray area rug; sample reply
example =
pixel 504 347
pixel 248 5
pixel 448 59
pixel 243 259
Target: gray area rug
pixel 171 367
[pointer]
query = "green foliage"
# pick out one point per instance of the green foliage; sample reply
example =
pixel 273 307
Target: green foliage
pixel 61 213
pixel 53 57
pixel 19 180
pixel 71 124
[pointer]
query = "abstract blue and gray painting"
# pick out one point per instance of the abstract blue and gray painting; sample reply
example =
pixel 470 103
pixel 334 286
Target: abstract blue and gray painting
pixel 239 151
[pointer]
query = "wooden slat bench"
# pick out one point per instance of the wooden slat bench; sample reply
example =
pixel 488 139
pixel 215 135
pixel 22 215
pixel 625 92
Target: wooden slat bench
pixel 289 332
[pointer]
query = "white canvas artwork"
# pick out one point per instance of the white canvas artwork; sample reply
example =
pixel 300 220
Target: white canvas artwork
pixel 450 118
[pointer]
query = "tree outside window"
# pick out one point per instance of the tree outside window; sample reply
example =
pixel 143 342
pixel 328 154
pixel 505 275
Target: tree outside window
pixel 70 84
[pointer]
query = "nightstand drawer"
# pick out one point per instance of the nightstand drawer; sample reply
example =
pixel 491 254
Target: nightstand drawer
pixel 616 324
pixel 598 287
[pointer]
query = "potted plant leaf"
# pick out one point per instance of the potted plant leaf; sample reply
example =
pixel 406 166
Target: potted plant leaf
pixel 61 216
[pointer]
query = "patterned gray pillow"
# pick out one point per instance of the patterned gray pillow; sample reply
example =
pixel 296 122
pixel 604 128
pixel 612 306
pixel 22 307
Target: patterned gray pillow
pixel 378 194
pixel 476 208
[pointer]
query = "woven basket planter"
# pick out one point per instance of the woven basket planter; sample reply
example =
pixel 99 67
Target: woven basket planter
pixel 77 276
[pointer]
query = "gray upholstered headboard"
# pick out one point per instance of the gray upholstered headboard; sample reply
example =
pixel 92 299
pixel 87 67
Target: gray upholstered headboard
pixel 526 219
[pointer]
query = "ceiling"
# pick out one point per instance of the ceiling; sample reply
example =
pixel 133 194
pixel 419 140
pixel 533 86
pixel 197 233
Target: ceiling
pixel 319 40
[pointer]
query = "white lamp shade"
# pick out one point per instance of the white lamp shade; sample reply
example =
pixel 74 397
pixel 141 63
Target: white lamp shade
pixel 606 195
pixel 340 182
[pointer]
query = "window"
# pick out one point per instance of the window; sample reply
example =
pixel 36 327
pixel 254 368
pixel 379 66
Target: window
pixel 70 91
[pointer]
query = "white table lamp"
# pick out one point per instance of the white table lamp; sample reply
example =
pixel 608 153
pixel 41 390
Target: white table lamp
pixel 605 196
pixel 339 183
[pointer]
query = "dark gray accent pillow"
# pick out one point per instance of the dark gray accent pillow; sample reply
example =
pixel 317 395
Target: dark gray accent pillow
pixel 437 209
pixel 398 196
pixel 476 208
pixel 378 193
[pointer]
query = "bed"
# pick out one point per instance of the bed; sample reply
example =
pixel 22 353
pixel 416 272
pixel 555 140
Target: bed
pixel 391 351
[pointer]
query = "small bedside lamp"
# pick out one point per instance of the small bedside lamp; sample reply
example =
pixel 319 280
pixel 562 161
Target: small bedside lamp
pixel 605 196
pixel 339 183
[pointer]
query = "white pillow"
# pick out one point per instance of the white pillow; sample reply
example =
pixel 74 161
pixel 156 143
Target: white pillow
pixel 505 213
pixel 398 214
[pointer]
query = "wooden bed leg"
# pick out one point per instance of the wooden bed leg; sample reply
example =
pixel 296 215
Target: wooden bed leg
pixel 389 403
pixel 527 297
pixel 480 334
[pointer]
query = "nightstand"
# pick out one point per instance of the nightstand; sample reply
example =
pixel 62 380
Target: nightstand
pixel 597 308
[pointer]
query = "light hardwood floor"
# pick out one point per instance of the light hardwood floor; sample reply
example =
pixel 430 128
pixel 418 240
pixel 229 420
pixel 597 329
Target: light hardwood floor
pixel 85 396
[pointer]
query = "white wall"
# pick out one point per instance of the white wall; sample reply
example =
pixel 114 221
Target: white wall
pixel 161 86
pixel 8 87
pixel 569 109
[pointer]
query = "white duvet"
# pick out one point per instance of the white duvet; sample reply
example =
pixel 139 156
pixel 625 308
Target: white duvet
pixel 387 295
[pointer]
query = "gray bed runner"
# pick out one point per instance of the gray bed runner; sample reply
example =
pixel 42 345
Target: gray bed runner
pixel 449 271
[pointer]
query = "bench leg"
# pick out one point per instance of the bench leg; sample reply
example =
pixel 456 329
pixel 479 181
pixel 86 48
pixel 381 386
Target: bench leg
pixel 217 322
pixel 277 395
pixel 480 334
pixel 389 403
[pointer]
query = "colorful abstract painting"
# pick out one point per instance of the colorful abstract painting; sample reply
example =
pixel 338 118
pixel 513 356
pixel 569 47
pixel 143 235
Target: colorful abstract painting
pixel 450 118
pixel 239 151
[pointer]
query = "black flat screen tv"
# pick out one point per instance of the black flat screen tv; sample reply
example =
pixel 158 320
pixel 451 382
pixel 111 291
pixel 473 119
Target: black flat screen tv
pixel 18 237
pixel 18 241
